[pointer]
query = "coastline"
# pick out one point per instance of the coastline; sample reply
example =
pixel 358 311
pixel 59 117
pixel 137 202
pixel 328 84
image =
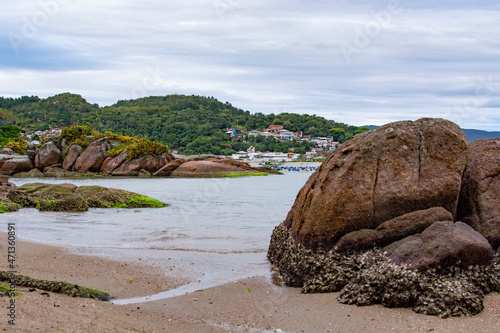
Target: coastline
pixel 247 305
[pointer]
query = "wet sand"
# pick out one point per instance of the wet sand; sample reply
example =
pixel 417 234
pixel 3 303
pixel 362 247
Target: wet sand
pixel 248 305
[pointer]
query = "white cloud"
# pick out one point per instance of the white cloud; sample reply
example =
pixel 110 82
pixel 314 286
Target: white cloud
pixel 426 59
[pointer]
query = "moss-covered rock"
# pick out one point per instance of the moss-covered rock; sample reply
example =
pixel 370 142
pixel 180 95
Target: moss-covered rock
pixel 7 206
pixel 73 290
pixel 49 197
pixel 103 197
pixel 68 197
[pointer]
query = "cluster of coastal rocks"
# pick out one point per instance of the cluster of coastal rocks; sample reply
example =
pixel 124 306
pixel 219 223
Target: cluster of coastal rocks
pixel 69 197
pixel 407 215
pixel 95 159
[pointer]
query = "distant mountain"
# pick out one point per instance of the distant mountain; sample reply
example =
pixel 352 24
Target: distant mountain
pixel 471 134
pixel 189 124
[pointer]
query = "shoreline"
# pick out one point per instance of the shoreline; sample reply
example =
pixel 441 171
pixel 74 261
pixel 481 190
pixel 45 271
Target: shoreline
pixel 246 305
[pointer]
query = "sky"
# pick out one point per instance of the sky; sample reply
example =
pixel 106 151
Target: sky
pixel 356 62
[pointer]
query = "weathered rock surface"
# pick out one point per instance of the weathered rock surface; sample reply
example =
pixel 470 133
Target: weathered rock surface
pixel 16 163
pixel 169 167
pixel 5 186
pixel 375 221
pixel 367 278
pixel 7 206
pixel 69 197
pixel 57 172
pixel 48 197
pixel 92 157
pixel 111 163
pixel 479 204
pixel 7 151
pixel 392 230
pixel 150 164
pixel 205 169
pixel 378 175
pixel 444 244
pixel 47 155
pixel 73 153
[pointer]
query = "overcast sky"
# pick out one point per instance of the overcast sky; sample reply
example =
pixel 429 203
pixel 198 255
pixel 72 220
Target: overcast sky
pixel 357 62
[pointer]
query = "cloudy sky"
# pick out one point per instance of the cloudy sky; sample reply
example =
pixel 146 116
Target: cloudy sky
pixel 357 62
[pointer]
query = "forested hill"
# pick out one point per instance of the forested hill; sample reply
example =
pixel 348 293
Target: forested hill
pixel 192 124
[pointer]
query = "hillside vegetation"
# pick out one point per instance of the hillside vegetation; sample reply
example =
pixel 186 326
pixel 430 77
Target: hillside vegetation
pixel 190 124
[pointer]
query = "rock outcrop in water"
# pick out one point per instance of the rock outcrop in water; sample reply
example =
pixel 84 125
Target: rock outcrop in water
pixel 379 221
pixel 71 198
pixel 80 151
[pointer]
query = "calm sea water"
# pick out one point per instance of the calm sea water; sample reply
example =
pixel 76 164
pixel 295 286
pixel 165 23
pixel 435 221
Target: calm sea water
pixel 221 226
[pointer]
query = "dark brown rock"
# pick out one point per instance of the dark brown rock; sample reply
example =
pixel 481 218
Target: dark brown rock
pixel 389 249
pixel 111 163
pixel 479 204
pixel 73 153
pixel 442 245
pixel 92 157
pixel 363 239
pixel 168 168
pixel 378 175
pixel 392 230
pixel 5 186
pixel 412 223
pixel 47 155
pixel 15 164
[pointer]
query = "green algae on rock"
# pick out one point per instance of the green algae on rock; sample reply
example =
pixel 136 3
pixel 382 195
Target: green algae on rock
pixel 103 197
pixel 69 289
pixel 7 206
pixel 69 197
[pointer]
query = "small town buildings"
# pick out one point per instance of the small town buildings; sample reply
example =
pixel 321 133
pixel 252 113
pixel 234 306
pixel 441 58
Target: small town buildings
pixel 266 134
pixel 254 133
pixel 274 128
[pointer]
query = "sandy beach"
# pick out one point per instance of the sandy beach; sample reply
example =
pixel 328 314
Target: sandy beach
pixel 249 305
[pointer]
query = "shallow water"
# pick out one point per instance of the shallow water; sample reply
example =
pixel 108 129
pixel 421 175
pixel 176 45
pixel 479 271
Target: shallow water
pixel 222 227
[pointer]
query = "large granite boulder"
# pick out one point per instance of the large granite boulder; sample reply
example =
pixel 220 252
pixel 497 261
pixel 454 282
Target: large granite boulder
pixel 16 163
pixel 479 204
pixel 70 159
pixel 444 244
pixel 47 155
pixel 93 156
pixel 375 222
pixel 378 175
